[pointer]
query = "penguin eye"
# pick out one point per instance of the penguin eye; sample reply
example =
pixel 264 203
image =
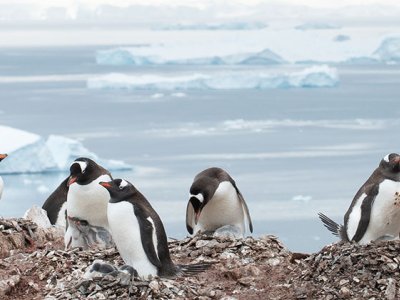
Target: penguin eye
pixel 83 171
pixel 121 187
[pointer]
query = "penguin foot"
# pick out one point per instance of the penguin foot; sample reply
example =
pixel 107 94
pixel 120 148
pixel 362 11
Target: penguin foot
pixel 229 231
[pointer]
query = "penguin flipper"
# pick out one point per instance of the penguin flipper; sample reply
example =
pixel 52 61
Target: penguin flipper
pixel 245 209
pixel 148 236
pixel 190 217
pixel 54 202
pixel 335 228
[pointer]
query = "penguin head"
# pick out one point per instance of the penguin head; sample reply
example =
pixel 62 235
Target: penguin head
pixel 200 193
pixel 391 163
pixel 119 189
pixel 81 171
pixel 3 156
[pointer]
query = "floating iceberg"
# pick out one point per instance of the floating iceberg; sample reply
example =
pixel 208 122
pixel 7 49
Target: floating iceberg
pixel 315 76
pixel 30 153
pixel 216 26
pixel 341 38
pixel 389 50
pixel 160 56
pixel 316 26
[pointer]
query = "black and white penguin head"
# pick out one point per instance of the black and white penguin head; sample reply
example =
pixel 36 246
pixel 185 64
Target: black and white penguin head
pixel 83 171
pixel 119 189
pixel 3 156
pixel 200 193
pixel 391 164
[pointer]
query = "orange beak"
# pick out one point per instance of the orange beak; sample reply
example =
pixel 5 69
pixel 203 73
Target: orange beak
pixel 71 180
pixel 197 216
pixel 105 184
pixel 3 156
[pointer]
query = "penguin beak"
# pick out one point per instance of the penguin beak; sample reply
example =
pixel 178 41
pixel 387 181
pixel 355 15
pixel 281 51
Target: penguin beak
pixel 3 156
pixel 197 216
pixel 107 185
pixel 71 180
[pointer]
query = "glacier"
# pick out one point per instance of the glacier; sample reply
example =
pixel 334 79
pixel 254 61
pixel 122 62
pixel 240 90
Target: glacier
pixel 31 153
pixel 213 26
pixel 160 56
pixel 389 50
pixel 312 77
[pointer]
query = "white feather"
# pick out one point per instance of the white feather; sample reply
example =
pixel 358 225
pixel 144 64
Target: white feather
pixel 123 184
pixel 385 213
pixel 82 164
pixel 354 217
pixel 386 158
pixel 125 230
pixel 1 186
pixel 89 202
pixel 199 196
pixel 224 208
pixel 154 237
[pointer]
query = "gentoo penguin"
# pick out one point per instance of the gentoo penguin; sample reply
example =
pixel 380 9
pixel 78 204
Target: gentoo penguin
pixel 85 201
pixel 215 201
pixel 374 213
pixel 139 234
pixel 2 156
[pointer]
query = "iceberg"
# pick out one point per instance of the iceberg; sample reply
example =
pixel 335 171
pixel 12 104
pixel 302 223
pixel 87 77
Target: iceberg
pixel 30 153
pixel 312 77
pixel 316 26
pixel 389 50
pixel 341 38
pixel 216 26
pixel 135 56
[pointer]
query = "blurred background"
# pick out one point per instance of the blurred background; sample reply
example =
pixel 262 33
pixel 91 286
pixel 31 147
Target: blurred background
pixel 297 100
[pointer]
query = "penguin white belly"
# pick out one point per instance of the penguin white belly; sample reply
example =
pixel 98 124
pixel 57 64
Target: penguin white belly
pixel 125 231
pixel 89 202
pixel 1 186
pixel 224 208
pixel 385 213
pixel 61 216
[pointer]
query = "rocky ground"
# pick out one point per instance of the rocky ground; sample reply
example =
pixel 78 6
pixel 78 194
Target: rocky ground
pixel 35 266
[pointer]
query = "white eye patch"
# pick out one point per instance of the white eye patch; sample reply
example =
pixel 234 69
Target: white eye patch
pixel 82 164
pixel 386 158
pixel 123 184
pixel 199 196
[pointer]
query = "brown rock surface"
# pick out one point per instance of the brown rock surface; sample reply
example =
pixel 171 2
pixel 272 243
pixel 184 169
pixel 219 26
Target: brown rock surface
pixel 248 268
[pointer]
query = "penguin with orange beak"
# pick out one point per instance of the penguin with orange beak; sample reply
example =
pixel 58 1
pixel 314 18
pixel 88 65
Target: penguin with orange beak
pixel 81 203
pixel 2 156
pixel 374 213
pixel 215 201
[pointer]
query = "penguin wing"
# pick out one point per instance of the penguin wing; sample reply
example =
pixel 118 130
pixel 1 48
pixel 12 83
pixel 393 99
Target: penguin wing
pixel 190 217
pixel 245 209
pixel 149 238
pixel 55 201
pixel 366 207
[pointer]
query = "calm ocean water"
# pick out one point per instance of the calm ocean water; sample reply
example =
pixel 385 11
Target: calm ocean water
pixel 292 152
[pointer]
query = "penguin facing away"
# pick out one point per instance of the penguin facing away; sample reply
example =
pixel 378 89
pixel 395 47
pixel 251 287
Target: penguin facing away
pixel 2 156
pixel 374 213
pixel 215 201
pixel 85 202
pixel 139 234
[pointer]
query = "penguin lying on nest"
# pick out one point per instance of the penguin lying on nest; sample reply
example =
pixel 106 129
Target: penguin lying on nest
pixel 374 213
pixel 139 234
pixel 216 205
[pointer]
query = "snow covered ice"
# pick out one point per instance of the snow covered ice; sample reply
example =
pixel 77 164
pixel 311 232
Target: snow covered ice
pixel 389 50
pixel 167 56
pixel 30 153
pixel 315 76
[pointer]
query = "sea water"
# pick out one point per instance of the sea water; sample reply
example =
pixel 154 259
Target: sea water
pixel 292 152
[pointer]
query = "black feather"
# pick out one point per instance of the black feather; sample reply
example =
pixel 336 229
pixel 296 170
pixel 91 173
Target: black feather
pixel 190 270
pixel 331 225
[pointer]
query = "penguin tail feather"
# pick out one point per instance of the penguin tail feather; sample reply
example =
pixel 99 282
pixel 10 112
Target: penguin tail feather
pixel 190 270
pixel 335 228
